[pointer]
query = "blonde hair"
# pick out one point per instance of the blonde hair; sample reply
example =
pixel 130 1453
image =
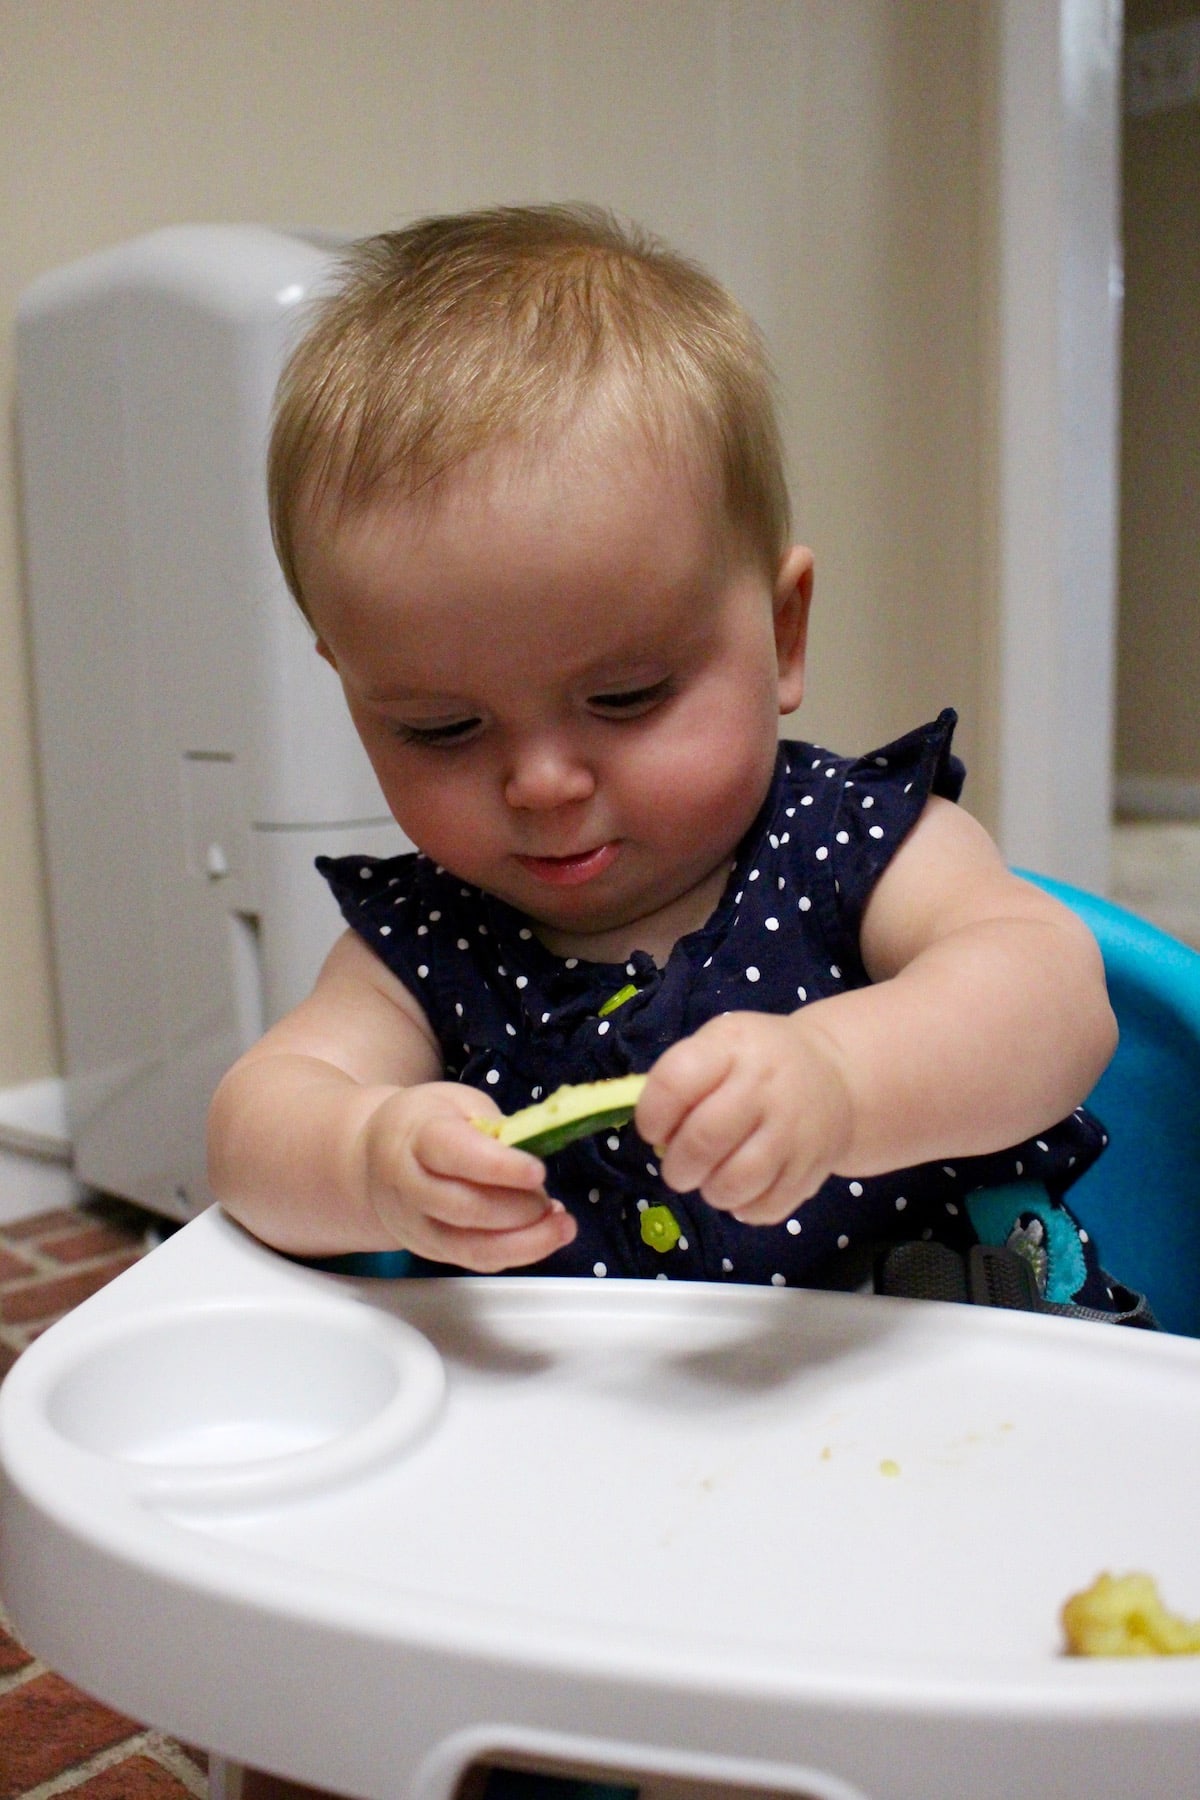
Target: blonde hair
pixel 462 331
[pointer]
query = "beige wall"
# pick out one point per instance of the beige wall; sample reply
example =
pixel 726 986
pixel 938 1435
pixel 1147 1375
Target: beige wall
pixel 1158 709
pixel 823 157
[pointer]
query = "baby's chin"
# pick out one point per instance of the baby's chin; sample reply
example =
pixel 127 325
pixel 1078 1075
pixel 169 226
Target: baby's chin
pixel 568 929
pixel 599 932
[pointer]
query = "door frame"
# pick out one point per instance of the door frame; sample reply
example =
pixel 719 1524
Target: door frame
pixel 1058 319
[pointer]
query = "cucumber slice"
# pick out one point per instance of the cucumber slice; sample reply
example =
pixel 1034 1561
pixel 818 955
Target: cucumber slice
pixel 568 1113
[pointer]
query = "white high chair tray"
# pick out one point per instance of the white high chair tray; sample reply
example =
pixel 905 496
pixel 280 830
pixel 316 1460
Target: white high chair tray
pixel 361 1531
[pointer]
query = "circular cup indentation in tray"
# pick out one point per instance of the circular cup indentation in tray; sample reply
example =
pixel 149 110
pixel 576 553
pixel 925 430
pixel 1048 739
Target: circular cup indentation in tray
pixel 236 1398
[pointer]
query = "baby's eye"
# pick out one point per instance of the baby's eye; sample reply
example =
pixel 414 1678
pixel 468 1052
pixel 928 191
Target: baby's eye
pixel 455 732
pixel 631 702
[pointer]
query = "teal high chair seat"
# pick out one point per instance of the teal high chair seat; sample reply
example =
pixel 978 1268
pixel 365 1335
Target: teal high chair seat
pixel 1141 1201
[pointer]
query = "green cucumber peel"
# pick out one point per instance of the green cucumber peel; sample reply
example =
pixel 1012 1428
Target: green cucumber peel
pixel 568 1113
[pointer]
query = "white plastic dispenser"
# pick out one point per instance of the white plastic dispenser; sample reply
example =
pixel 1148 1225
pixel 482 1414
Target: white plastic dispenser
pixel 195 753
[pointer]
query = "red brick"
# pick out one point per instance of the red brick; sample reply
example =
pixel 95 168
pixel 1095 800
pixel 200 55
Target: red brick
pixel 8 1357
pixel 60 1220
pixel 13 1267
pixel 46 1299
pixel 13 1656
pixel 94 1240
pixel 46 1727
pixel 136 1778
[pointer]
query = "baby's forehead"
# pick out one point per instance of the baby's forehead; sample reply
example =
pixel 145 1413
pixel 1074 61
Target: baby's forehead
pixel 565 527
pixel 574 458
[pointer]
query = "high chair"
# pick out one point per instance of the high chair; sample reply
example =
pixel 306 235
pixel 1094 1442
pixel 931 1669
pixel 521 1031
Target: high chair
pixel 665 1538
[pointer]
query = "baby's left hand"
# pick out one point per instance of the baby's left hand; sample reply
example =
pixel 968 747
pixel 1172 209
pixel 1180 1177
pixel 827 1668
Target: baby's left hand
pixel 754 1110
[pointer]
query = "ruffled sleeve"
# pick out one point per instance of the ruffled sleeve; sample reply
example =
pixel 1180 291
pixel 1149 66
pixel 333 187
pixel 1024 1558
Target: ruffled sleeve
pixel 882 795
pixel 379 900
pixel 465 960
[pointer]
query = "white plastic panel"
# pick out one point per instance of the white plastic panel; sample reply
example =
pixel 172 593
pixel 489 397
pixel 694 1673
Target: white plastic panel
pixel 300 918
pixel 181 707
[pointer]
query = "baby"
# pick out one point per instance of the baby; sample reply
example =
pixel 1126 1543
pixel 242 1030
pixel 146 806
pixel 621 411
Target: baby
pixel 527 487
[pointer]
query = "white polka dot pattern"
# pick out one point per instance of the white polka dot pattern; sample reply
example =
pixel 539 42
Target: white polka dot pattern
pixel 517 1021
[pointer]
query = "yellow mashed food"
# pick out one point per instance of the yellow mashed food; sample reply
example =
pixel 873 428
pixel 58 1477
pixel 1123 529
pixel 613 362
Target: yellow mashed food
pixel 1123 1615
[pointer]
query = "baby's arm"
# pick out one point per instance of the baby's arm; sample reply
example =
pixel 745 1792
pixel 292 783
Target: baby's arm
pixel 987 1021
pixel 336 1133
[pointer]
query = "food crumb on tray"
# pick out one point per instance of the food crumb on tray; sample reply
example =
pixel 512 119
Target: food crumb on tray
pixel 1123 1615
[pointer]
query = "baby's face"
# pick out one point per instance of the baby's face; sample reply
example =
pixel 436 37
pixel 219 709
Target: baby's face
pixel 567 677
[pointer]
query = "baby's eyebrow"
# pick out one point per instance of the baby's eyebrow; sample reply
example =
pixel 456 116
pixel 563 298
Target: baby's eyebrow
pixel 443 702
pixel 646 662
pixel 623 688
pixel 625 678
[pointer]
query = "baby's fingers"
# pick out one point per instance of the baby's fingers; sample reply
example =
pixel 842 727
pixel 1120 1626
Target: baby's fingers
pixel 483 1191
pixel 758 1186
pixel 678 1082
pixel 464 1207
pixel 483 1232
pixel 457 1148
pixel 712 1137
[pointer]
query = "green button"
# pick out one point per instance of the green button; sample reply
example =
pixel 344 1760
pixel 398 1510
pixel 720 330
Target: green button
pixel 660 1228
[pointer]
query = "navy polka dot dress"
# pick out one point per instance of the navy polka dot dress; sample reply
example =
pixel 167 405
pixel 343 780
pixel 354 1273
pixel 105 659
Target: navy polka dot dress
pixel 518 1021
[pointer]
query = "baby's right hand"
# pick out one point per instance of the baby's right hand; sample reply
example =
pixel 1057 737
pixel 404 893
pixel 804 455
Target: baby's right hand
pixel 447 1191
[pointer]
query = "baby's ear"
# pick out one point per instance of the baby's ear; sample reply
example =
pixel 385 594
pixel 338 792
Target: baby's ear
pixel 792 597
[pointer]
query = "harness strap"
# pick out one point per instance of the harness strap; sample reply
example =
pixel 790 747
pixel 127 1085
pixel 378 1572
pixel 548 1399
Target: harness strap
pixel 991 1275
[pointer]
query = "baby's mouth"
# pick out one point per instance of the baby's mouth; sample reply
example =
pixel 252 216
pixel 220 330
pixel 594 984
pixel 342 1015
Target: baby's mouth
pixel 570 871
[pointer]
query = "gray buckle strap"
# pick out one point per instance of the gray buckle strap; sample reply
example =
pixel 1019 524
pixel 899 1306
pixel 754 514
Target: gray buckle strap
pixel 989 1275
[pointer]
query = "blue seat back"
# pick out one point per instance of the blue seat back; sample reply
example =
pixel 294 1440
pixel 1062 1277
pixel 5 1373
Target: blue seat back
pixel 1141 1201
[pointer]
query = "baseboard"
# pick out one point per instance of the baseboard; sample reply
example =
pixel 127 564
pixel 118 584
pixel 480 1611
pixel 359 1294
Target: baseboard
pixel 35 1151
pixel 1157 797
pixel 33 1119
pixel 29 1185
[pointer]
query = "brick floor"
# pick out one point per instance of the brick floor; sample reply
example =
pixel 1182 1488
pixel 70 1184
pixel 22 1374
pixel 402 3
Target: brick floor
pixel 12 1268
pixel 134 1778
pixel 49 1263
pixel 44 1722
pixel 53 1739
pixel 13 1656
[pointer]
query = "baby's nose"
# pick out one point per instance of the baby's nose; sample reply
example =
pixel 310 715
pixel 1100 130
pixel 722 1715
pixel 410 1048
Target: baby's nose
pixel 546 775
